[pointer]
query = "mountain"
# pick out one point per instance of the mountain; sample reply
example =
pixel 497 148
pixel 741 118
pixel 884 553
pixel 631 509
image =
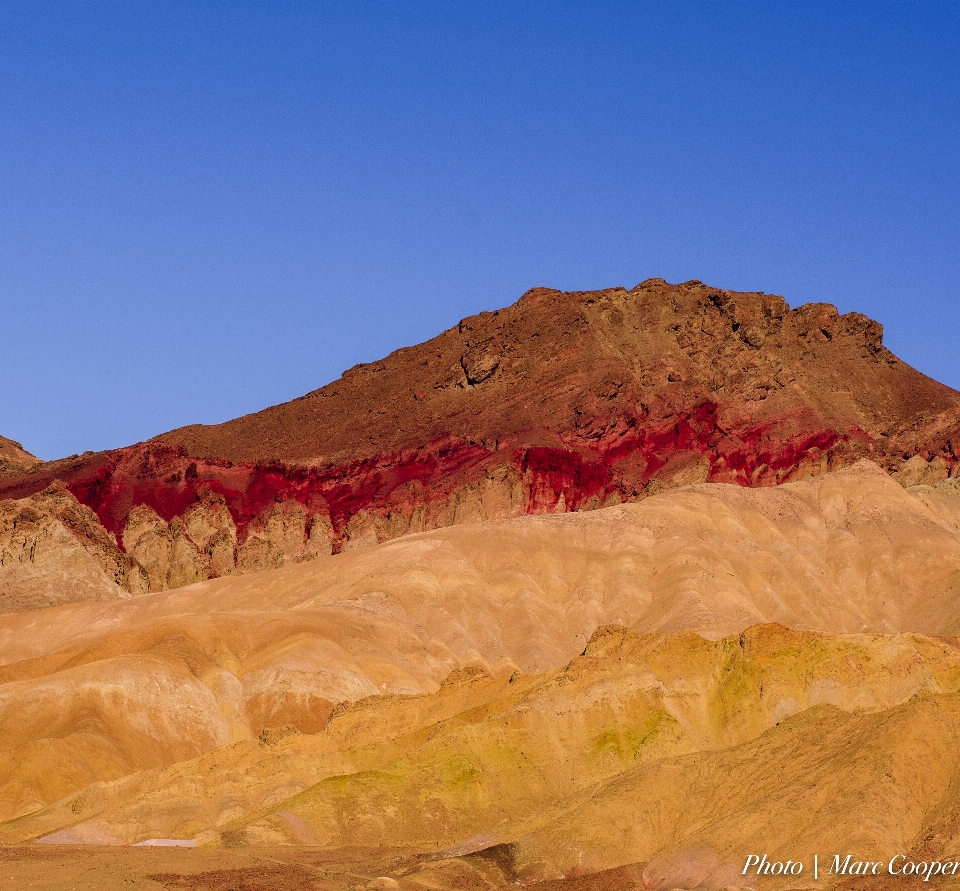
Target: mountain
pixel 602 591
pixel 561 402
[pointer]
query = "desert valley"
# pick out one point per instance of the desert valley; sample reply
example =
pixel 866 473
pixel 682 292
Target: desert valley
pixel 603 590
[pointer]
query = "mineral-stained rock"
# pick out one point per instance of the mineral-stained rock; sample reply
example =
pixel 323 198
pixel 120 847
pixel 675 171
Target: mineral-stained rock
pixel 277 537
pixel 146 537
pixel 187 564
pixel 361 531
pixel 165 550
pixel 918 471
pixel 319 538
pixel 210 527
pixel 83 523
pixel 258 553
pixel 561 402
pixel 196 545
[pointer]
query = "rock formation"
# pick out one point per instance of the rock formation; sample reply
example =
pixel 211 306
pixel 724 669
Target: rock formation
pixel 54 550
pixel 14 458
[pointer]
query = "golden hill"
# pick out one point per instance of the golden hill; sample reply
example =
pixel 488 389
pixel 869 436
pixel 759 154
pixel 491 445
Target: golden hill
pixel 670 752
pixel 429 695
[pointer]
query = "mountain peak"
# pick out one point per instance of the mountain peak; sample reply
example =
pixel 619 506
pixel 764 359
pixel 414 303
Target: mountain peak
pixel 562 401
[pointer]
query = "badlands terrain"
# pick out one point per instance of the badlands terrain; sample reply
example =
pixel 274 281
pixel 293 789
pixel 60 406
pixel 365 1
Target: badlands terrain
pixel 601 591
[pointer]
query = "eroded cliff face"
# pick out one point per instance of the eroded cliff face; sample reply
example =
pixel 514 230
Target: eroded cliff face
pixel 558 403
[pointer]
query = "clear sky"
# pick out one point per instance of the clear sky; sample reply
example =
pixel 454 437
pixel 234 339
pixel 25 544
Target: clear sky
pixel 208 208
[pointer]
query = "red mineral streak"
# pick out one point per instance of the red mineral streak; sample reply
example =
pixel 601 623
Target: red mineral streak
pixel 169 480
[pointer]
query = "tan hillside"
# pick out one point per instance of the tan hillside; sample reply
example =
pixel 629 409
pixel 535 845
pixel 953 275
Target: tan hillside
pixel 638 695
pixel 194 713
pixel 776 740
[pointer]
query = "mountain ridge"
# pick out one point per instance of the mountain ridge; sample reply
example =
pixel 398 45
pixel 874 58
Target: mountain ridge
pixel 562 401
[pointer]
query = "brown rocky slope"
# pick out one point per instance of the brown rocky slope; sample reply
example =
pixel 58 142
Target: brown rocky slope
pixel 563 401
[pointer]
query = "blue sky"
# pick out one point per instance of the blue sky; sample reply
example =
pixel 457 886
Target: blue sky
pixel 209 208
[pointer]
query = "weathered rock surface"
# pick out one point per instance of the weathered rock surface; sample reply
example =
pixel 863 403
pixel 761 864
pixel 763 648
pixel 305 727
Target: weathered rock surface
pixel 667 751
pixel 198 544
pixel 54 550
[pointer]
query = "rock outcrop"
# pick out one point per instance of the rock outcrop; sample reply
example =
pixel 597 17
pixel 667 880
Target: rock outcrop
pixel 561 402
pixel 54 550
pixel 14 458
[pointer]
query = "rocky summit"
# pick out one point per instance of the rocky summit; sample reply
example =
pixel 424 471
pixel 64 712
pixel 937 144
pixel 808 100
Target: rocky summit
pixel 560 402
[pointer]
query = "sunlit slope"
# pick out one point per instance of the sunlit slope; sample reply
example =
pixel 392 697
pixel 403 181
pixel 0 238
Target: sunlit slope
pixel 629 703
pixel 97 691
pixel 669 750
pixel 824 781
pixel 846 552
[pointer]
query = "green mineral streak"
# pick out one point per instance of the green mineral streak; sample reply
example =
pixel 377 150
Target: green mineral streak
pixel 626 741
pixel 457 773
